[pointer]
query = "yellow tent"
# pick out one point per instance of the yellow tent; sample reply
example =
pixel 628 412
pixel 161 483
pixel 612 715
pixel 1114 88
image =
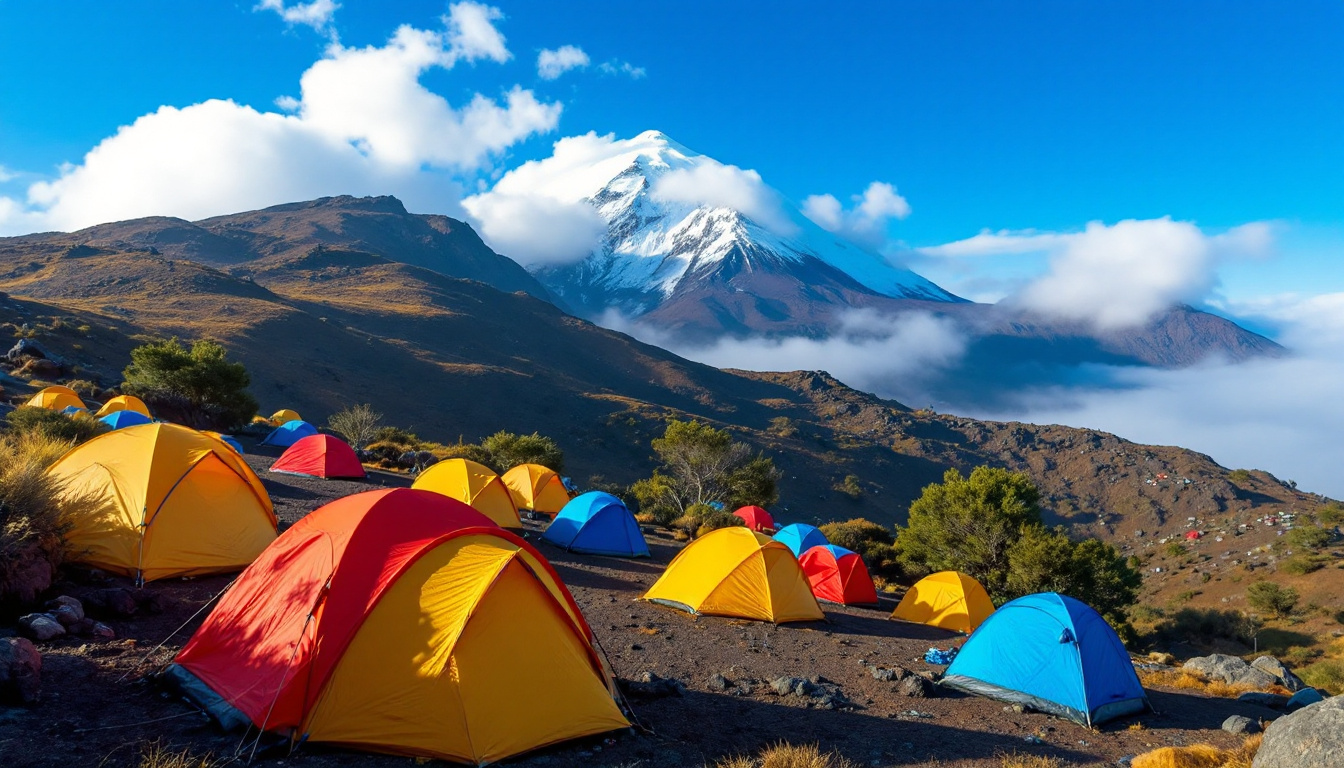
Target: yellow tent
pixel 56 398
pixel 125 403
pixel 537 488
pixel 179 503
pixel 284 416
pixel 737 572
pixel 473 484
pixel 947 599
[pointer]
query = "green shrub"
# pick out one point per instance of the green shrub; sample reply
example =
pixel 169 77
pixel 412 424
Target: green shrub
pixel 57 426
pixel 1239 476
pixel 85 388
pixel 1327 675
pixel 1339 617
pixel 1204 625
pixel 397 436
pixel 507 450
pixel 1301 565
pixel 716 520
pixel 874 542
pixel 783 426
pixel 1268 597
pixel 198 387
pixel 849 486
pixel 1309 537
pixel 1175 549
pixel 1331 514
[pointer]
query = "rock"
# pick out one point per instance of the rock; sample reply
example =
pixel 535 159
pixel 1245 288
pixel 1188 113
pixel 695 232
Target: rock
pixel 1271 700
pixel 40 627
pixel 1312 737
pixel 102 631
pixel 1240 725
pixel 25 348
pixel 20 670
pixel 889 675
pixel 718 682
pixel 651 686
pixel 796 686
pixel 113 602
pixel 1272 666
pixel 1230 670
pixel 1303 698
pixel 29 574
pixel 66 610
pixel 915 687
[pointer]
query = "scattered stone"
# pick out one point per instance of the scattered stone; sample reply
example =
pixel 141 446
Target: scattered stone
pixel 113 603
pixel 718 682
pixel 890 675
pixel 25 348
pixel 20 670
pixel 102 631
pixel 1230 670
pixel 40 627
pixel 1271 700
pixel 914 686
pixel 1312 737
pixel 66 610
pixel 1240 725
pixel 1272 666
pixel 1303 698
pixel 651 686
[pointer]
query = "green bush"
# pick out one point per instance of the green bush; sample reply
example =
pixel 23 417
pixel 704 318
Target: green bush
pixel 1204 625
pixel 716 520
pixel 849 486
pixel 1239 476
pixel 1327 675
pixel 507 450
pixel 397 436
pixel 1309 537
pixel 1331 514
pixel 198 387
pixel 57 426
pixel 1268 597
pixel 1301 565
pixel 1175 549
pixel 874 542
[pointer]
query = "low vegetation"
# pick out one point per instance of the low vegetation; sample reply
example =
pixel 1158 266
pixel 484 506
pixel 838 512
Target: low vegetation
pixel 875 543
pixel 70 430
pixel 789 756
pixel 358 424
pixel 158 755
pixel 1196 625
pixel 1268 597
pixel 199 387
pixel 701 465
pixel 1200 756
pixel 505 450
pixel 1186 680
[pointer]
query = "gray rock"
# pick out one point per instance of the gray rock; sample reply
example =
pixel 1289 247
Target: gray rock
pixel 1230 670
pixel 20 670
pixel 1312 737
pixel 1272 666
pixel 718 682
pixel 786 685
pixel 66 610
pixel 1271 700
pixel 102 631
pixel 40 627
pixel 889 675
pixel 651 686
pixel 1240 725
pixel 25 348
pixel 1303 698
pixel 914 686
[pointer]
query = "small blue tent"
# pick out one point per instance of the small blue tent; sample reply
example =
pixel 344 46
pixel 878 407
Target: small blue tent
pixel 234 444
pixel 597 523
pixel 120 419
pixel 801 537
pixel 289 433
pixel 1051 653
pixel 71 410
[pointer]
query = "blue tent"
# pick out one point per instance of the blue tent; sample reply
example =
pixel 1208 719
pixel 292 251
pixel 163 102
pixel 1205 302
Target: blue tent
pixel 71 410
pixel 234 444
pixel 801 537
pixel 1053 654
pixel 119 419
pixel 289 433
pixel 597 523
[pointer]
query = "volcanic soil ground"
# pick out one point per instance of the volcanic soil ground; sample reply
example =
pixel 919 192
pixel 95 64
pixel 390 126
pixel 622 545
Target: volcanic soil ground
pixel 100 706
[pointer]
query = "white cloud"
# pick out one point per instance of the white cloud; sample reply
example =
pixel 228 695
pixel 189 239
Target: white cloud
pixel 865 223
pixel 537 231
pixel 554 63
pixel 317 14
pixel 717 185
pixel 615 67
pixel 363 124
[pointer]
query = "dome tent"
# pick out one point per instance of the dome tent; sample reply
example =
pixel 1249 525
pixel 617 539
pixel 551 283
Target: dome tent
pixel 320 456
pixel 179 503
pixel 474 484
pixel 123 419
pixel 597 523
pixel 56 398
pixel 1051 653
pixel 800 537
pixel 125 403
pixel 536 488
pixel 838 575
pixel 402 621
pixel 740 573
pixel 289 433
pixel 228 440
pixel 284 416
pixel 947 599
pixel 756 518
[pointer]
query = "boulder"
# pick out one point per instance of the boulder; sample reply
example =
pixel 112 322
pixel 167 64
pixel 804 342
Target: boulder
pixel 890 675
pixel 797 686
pixel 1273 666
pixel 1271 700
pixel 915 687
pixel 1303 698
pixel 20 670
pixel 1240 725
pixel 29 575
pixel 66 610
pixel 102 631
pixel 25 348
pixel 718 682
pixel 1230 670
pixel 40 627
pixel 1312 737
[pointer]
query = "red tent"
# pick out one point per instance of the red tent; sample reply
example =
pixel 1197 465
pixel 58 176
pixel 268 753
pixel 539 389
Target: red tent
pixel 1193 535
pixel 320 456
pixel 757 519
pixel 838 575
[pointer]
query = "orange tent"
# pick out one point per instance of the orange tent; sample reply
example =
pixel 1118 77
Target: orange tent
pixel 56 398
pixel 537 488
pixel 474 484
pixel 405 622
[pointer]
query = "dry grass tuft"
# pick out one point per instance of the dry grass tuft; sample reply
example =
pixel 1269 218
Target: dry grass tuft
pixel 1200 756
pixel 1029 761
pixel 1189 681
pixel 788 756
pixel 156 755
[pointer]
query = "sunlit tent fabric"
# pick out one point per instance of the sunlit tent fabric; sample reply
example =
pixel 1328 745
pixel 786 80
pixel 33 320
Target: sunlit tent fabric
pixel 838 575
pixel 537 488
pixel 597 523
pixel 289 433
pixel 737 572
pixel 125 403
pixel 756 518
pixel 800 537
pixel 179 503
pixel 405 622
pixel 473 484
pixel 122 419
pixel 71 410
pixel 947 599
pixel 228 440
pixel 1051 653
pixel 56 398
pixel 320 456
pixel 284 416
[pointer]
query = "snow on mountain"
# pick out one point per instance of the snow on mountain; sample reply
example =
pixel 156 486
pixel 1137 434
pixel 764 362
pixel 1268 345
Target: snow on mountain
pixel 672 217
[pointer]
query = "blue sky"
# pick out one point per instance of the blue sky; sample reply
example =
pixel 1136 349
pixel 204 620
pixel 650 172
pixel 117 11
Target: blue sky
pixel 1008 128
